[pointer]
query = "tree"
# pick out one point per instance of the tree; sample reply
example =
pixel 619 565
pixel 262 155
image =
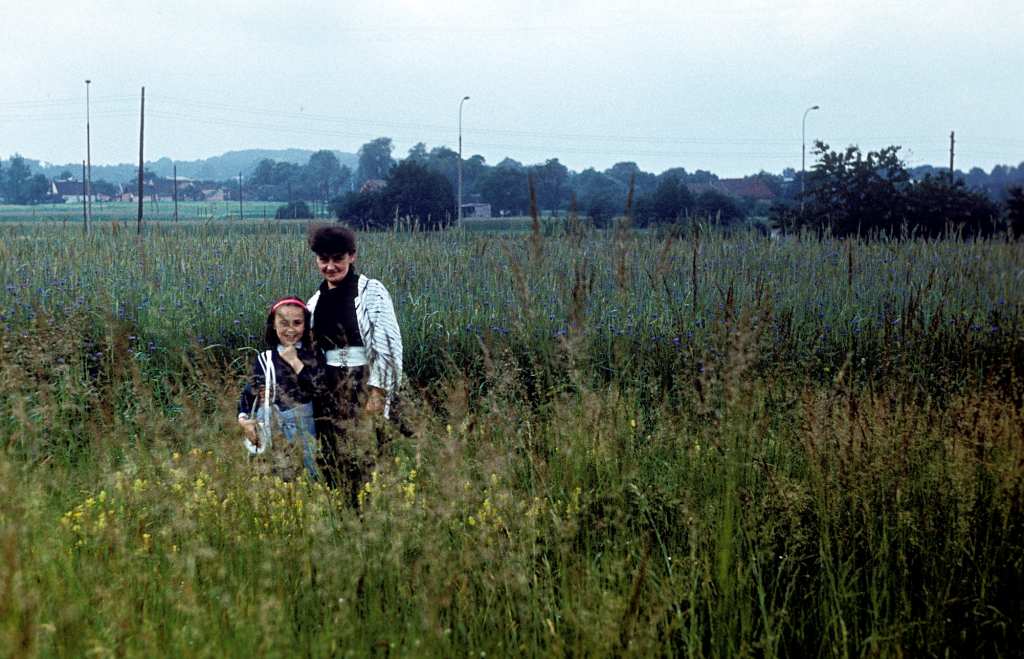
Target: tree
pixel 418 153
pixel 293 210
pixel 413 191
pixel 473 170
pixel 511 164
pixel 446 162
pixel 551 181
pixel 1015 210
pixel 147 177
pixel 65 175
pixel 375 160
pixel 417 192
pixel 325 174
pixel 263 173
pixel 934 204
pixel 104 187
pixel 22 187
pixel 286 173
pixel 718 207
pixel 18 175
pixel 598 195
pixel 362 209
pixel 505 188
pixel 627 172
pixel 852 193
pixel 669 201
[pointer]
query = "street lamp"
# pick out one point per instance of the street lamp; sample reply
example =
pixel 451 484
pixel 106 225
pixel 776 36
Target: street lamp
pixel 87 183
pixel 803 156
pixel 459 214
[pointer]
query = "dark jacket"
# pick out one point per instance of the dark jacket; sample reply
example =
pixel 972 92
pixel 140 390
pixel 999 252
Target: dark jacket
pixel 292 388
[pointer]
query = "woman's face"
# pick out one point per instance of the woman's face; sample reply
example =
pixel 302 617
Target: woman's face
pixel 334 267
pixel 289 323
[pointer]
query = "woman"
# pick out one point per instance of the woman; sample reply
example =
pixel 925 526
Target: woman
pixel 353 321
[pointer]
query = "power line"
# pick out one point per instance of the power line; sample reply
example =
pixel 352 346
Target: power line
pixel 392 125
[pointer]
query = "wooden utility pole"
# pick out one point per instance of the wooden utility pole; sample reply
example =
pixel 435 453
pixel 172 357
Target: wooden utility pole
pixel 241 213
pixel 142 133
pixel 952 141
pixel 85 208
pixel 175 193
pixel 87 178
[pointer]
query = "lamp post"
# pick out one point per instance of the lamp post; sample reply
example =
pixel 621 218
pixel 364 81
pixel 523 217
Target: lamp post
pixel 803 156
pixel 459 214
pixel 87 183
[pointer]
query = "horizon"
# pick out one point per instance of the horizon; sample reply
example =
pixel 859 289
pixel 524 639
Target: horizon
pixel 398 157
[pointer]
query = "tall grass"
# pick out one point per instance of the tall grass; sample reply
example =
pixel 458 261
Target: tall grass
pixel 577 481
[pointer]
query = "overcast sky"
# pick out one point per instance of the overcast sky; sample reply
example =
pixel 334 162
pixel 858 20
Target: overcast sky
pixel 722 86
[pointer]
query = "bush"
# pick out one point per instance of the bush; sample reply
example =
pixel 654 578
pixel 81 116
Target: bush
pixel 1015 211
pixel 295 209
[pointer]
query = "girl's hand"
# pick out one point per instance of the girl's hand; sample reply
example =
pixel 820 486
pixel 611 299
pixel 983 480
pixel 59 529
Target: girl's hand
pixel 291 357
pixel 249 428
pixel 375 400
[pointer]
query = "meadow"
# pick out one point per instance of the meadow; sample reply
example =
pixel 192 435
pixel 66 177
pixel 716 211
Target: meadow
pixel 70 213
pixel 617 442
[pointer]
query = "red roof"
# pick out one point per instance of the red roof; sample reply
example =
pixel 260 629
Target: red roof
pixel 749 188
pixel 746 188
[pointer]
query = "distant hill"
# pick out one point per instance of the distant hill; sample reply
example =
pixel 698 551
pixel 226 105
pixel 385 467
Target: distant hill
pixel 215 168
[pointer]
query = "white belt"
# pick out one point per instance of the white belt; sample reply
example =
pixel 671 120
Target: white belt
pixel 347 357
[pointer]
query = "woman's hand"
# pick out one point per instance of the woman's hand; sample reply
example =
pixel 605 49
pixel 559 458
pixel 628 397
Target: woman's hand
pixel 374 400
pixel 249 428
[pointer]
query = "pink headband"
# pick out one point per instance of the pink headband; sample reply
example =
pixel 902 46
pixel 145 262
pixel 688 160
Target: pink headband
pixel 288 300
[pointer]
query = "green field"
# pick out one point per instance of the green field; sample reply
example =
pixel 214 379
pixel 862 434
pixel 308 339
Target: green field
pixel 621 443
pixel 127 211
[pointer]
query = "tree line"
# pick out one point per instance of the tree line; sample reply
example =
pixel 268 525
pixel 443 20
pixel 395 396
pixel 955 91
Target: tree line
pixel 844 191
pixel 848 192
pixel 422 186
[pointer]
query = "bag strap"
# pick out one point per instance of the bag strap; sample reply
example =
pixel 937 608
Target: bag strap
pixel 269 380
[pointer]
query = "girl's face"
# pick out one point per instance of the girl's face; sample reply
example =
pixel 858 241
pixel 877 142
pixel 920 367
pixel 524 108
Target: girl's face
pixel 289 323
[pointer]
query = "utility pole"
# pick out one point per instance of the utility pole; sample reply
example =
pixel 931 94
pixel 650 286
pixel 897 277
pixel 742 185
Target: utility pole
pixel 85 208
pixel 87 182
pixel 459 215
pixel 142 132
pixel 175 192
pixel 803 157
pixel 241 214
pixel 952 141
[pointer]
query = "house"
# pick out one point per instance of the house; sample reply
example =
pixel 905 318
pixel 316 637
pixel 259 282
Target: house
pixel 751 188
pixel 158 189
pixel 73 191
pixel 373 185
pixel 476 210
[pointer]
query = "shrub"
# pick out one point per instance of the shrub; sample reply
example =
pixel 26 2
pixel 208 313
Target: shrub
pixel 293 210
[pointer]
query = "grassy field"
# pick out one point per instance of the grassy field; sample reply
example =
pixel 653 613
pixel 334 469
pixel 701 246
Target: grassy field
pixel 622 443
pixel 127 211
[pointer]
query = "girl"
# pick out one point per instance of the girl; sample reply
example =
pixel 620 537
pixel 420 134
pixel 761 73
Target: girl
pixel 284 381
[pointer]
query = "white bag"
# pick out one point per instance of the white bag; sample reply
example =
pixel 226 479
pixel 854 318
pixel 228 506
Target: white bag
pixel 265 416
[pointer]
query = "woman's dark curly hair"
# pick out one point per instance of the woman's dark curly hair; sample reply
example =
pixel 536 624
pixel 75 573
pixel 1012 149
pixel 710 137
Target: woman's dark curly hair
pixel 331 239
pixel 270 335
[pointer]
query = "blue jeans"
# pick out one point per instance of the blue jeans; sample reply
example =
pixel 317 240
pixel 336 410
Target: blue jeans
pixel 297 423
